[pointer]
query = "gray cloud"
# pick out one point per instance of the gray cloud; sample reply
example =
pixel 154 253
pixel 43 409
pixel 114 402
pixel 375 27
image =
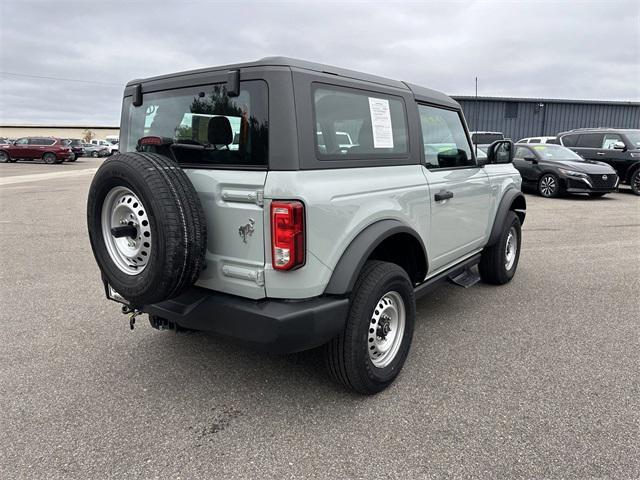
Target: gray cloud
pixel 585 49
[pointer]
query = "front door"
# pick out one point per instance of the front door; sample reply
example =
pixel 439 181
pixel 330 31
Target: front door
pixel 526 163
pixel 460 190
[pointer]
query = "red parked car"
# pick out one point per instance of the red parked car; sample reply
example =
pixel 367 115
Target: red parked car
pixel 50 149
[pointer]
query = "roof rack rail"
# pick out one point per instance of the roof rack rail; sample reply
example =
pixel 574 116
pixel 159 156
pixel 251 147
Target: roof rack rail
pixel 591 128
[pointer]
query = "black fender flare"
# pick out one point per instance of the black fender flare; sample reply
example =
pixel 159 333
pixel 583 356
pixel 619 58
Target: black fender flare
pixel 356 254
pixel 506 205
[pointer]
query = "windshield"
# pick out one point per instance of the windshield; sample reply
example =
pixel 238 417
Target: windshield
pixel 556 152
pixel 634 138
pixel 486 138
pixel 202 125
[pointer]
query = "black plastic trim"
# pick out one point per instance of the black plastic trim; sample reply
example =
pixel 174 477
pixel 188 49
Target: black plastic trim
pixel 505 206
pixel 428 285
pixel 354 257
pixel 272 325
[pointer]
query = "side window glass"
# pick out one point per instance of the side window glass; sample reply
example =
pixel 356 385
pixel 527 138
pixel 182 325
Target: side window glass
pixel 534 140
pixel 34 141
pixel 22 141
pixel 521 152
pixel 569 140
pixel 351 123
pixel 590 140
pixel 610 139
pixel 444 139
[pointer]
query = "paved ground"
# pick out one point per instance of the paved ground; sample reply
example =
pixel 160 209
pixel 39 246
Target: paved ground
pixel 537 379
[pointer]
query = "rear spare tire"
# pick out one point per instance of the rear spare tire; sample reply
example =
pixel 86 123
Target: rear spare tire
pixel 146 226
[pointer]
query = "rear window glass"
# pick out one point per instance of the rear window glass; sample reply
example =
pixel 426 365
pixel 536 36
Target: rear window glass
pixel 203 125
pixel 350 123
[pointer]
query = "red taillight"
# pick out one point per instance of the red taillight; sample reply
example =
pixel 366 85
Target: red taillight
pixel 150 141
pixel 287 235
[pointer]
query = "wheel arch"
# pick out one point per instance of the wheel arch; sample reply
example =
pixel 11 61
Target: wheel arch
pixel 388 240
pixel 512 201
pixel 630 171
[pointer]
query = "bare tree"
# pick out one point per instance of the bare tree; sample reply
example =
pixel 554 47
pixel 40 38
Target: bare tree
pixel 87 135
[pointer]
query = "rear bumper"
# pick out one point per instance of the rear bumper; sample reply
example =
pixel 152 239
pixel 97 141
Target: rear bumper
pixel 277 326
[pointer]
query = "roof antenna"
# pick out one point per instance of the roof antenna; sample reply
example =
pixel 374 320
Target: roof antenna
pixel 475 120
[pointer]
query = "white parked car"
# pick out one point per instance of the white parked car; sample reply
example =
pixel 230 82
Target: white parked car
pixel 539 140
pixel 113 147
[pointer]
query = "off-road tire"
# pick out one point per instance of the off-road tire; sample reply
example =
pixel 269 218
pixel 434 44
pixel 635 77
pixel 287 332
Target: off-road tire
pixel 176 219
pixel 347 356
pixel 492 261
pixel 634 182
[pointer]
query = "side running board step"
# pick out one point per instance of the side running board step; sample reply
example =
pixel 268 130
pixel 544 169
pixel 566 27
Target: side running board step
pixel 467 278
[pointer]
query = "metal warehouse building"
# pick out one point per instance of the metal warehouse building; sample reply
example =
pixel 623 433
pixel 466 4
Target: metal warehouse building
pixel 533 117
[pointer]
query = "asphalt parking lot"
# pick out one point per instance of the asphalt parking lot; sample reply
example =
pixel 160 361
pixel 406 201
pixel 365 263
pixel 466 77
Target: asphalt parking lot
pixel 536 379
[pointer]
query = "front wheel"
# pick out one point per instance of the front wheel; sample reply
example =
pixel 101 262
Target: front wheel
pixel 549 186
pixel 94 154
pixel 4 157
pixel 498 262
pixel 635 182
pixel 369 354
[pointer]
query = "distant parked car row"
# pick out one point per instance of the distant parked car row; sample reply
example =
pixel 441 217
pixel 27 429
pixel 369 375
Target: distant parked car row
pixel 584 160
pixel 53 150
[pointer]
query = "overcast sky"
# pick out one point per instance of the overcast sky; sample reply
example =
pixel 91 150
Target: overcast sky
pixel 585 49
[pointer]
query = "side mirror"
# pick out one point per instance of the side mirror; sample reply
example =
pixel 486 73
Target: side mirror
pixel 500 151
pixel 619 146
pixel 482 161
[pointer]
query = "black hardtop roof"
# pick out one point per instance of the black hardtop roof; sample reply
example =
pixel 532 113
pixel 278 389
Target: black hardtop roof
pixel 421 93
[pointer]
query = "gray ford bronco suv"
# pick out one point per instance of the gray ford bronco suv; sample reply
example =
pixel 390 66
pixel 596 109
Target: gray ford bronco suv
pixel 237 207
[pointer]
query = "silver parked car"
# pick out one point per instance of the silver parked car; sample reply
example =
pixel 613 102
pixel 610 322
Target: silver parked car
pixel 95 151
pixel 286 239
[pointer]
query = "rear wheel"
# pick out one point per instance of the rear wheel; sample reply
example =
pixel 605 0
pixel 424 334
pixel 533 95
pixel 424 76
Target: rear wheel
pixel 635 182
pixel 549 186
pixel 498 262
pixel 50 158
pixel 94 154
pixel 369 354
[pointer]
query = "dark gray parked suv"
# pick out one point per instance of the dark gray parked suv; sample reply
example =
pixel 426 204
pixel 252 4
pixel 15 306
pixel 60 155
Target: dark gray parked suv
pixel 620 148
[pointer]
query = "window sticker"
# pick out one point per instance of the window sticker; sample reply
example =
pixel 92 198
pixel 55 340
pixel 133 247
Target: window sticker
pixel 381 123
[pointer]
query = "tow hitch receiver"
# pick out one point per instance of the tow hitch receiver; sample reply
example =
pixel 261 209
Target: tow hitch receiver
pixel 133 313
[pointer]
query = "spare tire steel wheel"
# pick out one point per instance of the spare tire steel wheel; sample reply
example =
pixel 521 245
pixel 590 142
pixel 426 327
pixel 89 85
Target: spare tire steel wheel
pixel 146 226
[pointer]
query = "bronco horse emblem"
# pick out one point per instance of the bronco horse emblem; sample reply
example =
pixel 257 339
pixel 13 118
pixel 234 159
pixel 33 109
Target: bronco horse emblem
pixel 247 230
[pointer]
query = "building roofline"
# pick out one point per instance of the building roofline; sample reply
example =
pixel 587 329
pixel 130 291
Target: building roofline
pixel 546 100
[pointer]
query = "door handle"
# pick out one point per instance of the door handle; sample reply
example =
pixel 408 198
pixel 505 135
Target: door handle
pixel 443 195
pixel 599 153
